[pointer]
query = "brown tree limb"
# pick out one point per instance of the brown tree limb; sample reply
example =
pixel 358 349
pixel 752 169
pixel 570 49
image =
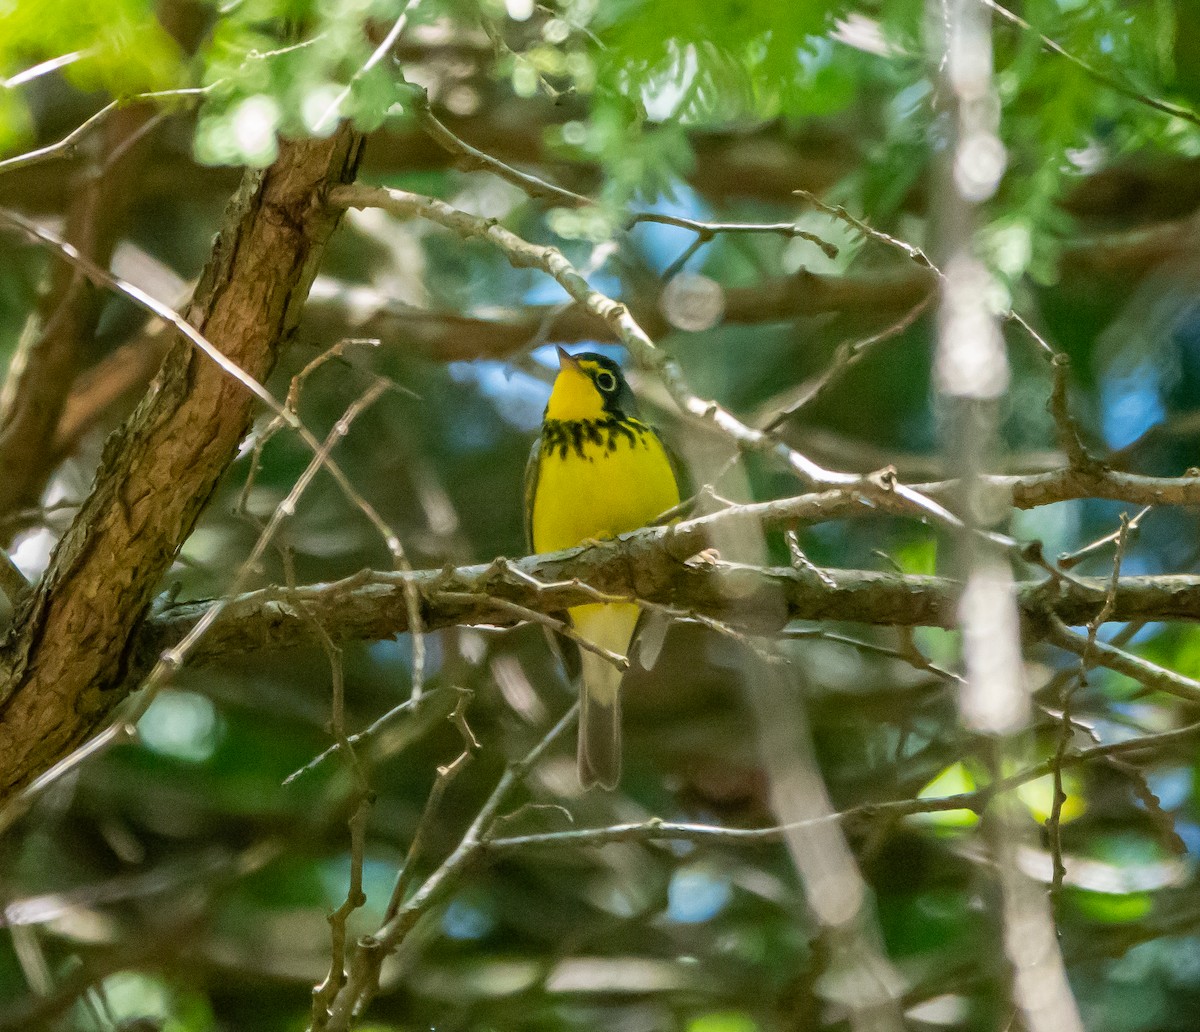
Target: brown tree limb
pixel 372 605
pixel 63 666
pixel 650 564
pixel 767 162
pixel 452 337
pixel 120 375
pixel 41 375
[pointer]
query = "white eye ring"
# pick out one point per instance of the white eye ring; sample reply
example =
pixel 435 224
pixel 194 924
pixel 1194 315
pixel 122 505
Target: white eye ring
pixel 606 381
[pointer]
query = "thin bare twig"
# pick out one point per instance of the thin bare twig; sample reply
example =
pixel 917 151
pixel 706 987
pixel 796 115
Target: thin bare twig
pixel 471 158
pixel 1054 821
pixel 801 561
pixel 291 404
pixel 63 148
pixel 68 145
pixel 706 232
pixel 839 212
pixel 328 988
pixel 408 705
pixel 1127 531
pixel 445 777
pixel 1066 427
pixel 357 823
pixel 1100 653
pixel 909 654
pixel 371 951
pixel 522 254
pixel 845 357
pixel 533 616
pixel 1105 79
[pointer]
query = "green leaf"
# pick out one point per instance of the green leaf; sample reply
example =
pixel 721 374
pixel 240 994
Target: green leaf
pixel 723 1021
pixel 954 780
pixel 1111 908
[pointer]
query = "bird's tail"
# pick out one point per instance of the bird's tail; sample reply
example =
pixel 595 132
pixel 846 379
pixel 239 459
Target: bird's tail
pixel 610 626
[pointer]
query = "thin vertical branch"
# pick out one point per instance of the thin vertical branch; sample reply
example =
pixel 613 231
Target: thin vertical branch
pixel 324 992
pixel 857 975
pixel 972 376
pixel 1086 662
pixel 371 951
pixel 445 777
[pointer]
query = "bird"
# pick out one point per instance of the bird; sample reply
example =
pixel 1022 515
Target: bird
pixel 596 471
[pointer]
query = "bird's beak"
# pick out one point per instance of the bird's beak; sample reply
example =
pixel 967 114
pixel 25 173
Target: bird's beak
pixel 568 361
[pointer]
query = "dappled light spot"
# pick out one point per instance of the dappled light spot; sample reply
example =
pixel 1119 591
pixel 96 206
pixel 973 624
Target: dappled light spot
pixel 696 894
pixel 723 1021
pixel 1038 798
pixel 954 780
pixel 182 725
pixel 693 302
pixel 466 920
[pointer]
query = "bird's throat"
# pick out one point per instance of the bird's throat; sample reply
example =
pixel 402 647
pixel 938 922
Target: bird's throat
pixel 574 397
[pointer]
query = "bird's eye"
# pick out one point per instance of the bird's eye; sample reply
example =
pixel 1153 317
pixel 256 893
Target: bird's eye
pixel 606 381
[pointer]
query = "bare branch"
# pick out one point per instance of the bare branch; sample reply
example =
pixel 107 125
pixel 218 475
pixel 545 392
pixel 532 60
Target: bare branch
pixel 778 410
pixel 64 148
pixel 1127 532
pixel 445 777
pixel 644 566
pixel 472 159
pixel 522 254
pixel 1110 81
pixel 1100 653
pixel 371 951
pixel 58 338
pixel 709 231
pixel 74 634
pixel 409 705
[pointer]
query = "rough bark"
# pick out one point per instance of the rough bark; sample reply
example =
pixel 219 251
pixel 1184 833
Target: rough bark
pixel 68 656
pixel 372 606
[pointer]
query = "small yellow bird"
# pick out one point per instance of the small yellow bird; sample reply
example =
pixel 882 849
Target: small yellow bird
pixel 596 471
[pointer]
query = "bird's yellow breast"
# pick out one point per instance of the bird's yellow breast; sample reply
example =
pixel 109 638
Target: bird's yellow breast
pixel 597 479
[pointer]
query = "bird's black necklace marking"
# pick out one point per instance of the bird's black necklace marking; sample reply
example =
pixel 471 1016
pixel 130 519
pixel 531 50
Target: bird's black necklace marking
pixel 567 435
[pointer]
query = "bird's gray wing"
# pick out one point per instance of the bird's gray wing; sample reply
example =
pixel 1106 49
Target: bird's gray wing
pixel 532 469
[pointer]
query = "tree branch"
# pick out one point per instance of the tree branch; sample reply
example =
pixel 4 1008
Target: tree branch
pixel 72 646
pixel 451 337
pixel 646 566
pixel 40 377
